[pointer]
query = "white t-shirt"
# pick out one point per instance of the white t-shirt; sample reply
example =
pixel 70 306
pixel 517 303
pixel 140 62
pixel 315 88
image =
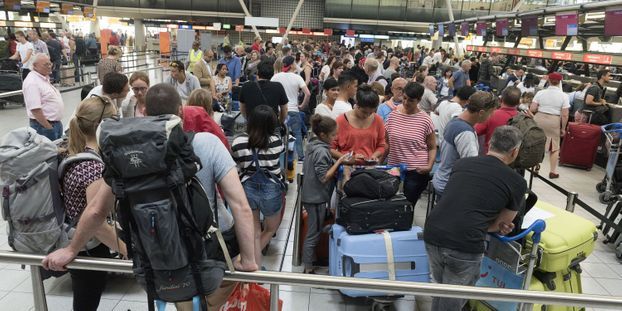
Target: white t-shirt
pixel 22 49
pixel 326 71
pixel 340 107
pixel 323 110
pixel 551 100
pixel 447 110
pixel 292 83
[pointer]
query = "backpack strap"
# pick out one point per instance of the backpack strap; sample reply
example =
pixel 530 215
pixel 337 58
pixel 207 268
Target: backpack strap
pixel 88 155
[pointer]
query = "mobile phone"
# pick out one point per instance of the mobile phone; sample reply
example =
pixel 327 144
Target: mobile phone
pixel 371 162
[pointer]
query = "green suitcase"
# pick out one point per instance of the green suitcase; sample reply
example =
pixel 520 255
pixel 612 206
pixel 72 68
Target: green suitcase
pixel 567 240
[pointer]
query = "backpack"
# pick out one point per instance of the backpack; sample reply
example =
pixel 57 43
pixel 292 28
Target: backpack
pixel 372 184
pixel 532 149
pixel 31 171
pixel 163 208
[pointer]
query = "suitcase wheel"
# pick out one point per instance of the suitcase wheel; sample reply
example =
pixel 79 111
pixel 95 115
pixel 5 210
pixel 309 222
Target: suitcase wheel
pixel 606 197
pixel 601 187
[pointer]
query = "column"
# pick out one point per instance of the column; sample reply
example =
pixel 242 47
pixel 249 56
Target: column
pixel 139 35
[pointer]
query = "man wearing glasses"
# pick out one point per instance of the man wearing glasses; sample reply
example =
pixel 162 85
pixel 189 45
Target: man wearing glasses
pixel 44 104
pixel 397 89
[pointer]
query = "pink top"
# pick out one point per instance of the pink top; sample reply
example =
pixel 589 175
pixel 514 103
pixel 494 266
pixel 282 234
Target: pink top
pixel 360 141
pixel 408 138
pixel 39 93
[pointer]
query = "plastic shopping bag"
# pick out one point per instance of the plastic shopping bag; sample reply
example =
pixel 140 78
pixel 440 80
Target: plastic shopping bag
pixel 249 297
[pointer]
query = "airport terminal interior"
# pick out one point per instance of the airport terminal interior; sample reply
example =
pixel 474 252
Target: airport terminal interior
pixel 398 70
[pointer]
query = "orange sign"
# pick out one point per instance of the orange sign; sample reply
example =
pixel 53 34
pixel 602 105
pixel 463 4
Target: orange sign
pixel 306 31
pixel 534 53
pixel 350 33
pixel 165 43
pixel 66 8
pixel 282 30
pixel 104 40
pixel 42 7
pixel 513 51
pixel 495 50
pixel 469 48
pixel 597 59
pixel 328 31
pixel 239 27
pixel 481 49
pixel 88 11
pixel 561 56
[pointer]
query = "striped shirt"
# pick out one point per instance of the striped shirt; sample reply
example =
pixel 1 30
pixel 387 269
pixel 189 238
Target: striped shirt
pixel 268 158
pixel 408 138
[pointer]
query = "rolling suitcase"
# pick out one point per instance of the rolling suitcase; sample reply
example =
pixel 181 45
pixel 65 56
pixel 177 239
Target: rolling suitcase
pixel 321 250
pixel 369 256
pixel 580 144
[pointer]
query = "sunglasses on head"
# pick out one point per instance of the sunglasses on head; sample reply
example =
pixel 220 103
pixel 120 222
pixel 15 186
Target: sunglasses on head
pixel 104 101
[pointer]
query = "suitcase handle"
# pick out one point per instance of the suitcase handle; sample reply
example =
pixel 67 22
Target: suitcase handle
pixel 537 228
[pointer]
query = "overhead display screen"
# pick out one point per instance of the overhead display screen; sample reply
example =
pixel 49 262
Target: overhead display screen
pixel 464 28
pixel 613 21
pixel 42 7
pixel 451 29
pixel 529 25
pixel 441 29
pixel 481 28
pixel 566 24
pixel 502 27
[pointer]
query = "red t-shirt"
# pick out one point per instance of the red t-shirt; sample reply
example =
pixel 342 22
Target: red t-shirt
pixel 360 141
pixel 197 120
pixel 498 118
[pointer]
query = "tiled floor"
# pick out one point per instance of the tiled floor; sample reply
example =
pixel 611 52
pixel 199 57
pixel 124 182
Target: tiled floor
pixel 602 273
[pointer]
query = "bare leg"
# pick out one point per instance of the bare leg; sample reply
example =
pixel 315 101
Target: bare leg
pixel 258 247
pixel 554 161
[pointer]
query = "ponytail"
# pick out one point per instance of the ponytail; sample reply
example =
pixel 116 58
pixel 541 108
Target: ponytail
pixel 322 125
pixel 77 138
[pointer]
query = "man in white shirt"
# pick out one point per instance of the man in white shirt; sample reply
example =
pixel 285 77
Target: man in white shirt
pixel 428 61
pixel 183 81
pixel 115 87
pixel 449 109
pixel 44 104
pixel 23 53
pixel 293 84
pixel 348 84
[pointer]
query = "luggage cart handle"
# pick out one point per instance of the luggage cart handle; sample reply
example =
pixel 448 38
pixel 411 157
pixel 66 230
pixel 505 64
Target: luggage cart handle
pixel 537 227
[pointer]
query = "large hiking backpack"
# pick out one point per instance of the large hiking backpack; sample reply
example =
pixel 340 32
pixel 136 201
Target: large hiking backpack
pixel 532 149
pixel 167 217
pixel 31 169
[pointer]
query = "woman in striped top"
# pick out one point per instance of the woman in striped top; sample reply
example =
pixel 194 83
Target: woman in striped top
pixel 264 187
pixel 411 141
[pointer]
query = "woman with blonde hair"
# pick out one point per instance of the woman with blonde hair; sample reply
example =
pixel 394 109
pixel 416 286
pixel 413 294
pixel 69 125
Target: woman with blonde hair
pixel 134 106
pixel 199 115
pixel 80 183
pixel 110 63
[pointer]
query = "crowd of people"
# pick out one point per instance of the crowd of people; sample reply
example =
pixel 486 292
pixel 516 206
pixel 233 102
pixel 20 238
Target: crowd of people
pixel 360 105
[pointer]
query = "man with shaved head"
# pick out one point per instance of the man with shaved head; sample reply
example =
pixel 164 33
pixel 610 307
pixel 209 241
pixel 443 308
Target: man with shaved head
pixel 429 100
pixel 397 89
pixel 44 104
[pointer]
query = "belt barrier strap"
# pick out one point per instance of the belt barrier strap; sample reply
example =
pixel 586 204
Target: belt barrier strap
pixel 388 244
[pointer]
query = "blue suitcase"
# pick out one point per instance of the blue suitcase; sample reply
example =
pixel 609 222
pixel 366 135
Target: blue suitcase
pixel 365 256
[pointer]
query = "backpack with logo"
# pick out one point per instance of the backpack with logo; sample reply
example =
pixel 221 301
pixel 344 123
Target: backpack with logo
pixel 31 170
pixel 532 148
pixel 163 208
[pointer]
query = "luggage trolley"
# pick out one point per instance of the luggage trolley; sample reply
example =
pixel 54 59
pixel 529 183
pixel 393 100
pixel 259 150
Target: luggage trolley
pixel 610 186
pixel 507 264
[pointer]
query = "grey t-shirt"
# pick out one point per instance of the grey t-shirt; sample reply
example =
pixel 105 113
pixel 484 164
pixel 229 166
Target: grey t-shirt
pixel 215 159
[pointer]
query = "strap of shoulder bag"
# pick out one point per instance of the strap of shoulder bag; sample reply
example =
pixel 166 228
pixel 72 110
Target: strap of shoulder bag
pixel 261 92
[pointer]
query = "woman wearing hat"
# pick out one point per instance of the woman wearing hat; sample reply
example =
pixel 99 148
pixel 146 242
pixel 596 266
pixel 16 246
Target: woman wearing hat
pixel 552 107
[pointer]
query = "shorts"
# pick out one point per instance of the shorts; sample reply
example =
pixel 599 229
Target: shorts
pixel 265 197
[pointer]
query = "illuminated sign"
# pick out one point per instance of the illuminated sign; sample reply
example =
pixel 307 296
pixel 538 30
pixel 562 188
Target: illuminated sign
pixel 597 59
pixel 561 56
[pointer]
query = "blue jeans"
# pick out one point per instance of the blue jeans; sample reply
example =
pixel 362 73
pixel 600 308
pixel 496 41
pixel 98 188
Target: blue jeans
pixel 294 122
pixel 53 134
pixel 266 197
pixel 414 184
pixel 452 267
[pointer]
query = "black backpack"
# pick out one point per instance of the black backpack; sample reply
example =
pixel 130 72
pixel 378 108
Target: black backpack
pixel 372 184
pixel 162 206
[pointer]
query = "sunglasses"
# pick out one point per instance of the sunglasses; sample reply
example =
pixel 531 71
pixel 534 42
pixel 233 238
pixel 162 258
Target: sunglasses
pixel 105 102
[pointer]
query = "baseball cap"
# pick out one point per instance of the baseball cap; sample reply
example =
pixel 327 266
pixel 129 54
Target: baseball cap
pixel 555 76
pixel 287 62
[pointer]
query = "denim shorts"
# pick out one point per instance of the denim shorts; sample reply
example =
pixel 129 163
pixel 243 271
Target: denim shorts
pixel 266 197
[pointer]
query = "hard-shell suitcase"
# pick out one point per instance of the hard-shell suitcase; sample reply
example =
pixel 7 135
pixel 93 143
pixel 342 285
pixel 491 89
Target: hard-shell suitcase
pixel 568 239
pixel 580 145
pixel 362 215
pixel 365 256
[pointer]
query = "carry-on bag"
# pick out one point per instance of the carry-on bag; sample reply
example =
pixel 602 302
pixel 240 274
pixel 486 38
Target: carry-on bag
pixel 580 144
pixel 362 215
pixel 399 255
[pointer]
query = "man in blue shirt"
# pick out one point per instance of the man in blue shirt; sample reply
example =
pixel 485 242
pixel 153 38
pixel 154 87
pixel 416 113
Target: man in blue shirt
pixel 234 66
pixel 461 77
pixel 397 89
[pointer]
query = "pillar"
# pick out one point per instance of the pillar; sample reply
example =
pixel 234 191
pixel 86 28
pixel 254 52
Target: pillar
pixel 139 35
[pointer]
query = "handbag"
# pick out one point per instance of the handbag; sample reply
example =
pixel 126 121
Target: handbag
pixel 249 296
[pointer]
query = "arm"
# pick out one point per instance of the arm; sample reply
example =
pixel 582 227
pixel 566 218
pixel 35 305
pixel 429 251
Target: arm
pixel 589 100
pixel 565 113
pixel 230 86
pixel 15 56
pixel 237 73
pixel 243 110
pixel 231 187
pixel 431 143
pixel 28 55
pixel 204 78
pixel 450 83
pixel 90 221
pixel 503 222
pixel 382 142
pixel 307 75
pixel 38 114
pixel 106 233
pixel 305 101
pixel 466 144
pixel 332 171
pixel 283 113
pixel 387 147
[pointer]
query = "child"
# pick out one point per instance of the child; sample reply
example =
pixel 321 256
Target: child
pixel 319 171
pixel 525 103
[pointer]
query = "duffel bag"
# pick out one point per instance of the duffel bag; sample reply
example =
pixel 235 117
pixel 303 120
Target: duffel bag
pixel 372 184
pixel 362 215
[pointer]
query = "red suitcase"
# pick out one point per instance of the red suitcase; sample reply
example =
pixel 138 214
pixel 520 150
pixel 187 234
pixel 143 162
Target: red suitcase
pixel 580 145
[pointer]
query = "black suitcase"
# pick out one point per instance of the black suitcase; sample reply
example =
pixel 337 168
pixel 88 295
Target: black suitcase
pixel 362 215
